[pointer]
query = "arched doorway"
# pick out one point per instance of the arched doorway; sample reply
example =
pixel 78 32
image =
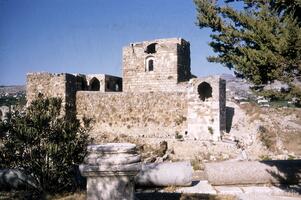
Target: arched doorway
pixel 94 84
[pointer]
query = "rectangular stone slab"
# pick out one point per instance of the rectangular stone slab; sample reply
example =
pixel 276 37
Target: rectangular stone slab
pixel 253 172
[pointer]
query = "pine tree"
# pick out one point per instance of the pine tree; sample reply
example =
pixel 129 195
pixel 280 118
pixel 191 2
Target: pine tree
pixel 260 42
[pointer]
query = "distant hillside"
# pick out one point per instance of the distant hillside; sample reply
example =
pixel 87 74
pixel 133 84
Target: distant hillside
pixel 12 89
pixel 12 95
pixel 237 87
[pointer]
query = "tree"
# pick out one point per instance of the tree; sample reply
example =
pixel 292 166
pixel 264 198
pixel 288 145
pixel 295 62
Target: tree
pixel 44 144
pixel 260 42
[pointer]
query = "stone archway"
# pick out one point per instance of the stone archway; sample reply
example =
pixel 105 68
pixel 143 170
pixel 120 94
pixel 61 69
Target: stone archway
pixel 94 84
pixel 204 91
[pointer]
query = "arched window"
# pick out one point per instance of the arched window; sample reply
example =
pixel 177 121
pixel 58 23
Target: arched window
pixel 94 84
pixel 205 91
pixel 149 64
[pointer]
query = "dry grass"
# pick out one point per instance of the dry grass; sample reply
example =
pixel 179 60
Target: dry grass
pixel 292 142
pixel 75 196
pixel 252 110
pixel 273 127
pixel 197 164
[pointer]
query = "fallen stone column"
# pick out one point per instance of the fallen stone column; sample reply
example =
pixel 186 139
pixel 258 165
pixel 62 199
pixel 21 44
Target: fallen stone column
pixel 110 170
pixel 15 179
pixel 165 174
pixel 254 172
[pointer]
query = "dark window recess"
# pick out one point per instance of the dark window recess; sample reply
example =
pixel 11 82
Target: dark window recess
pixel 95 84
pixel 151 65
pixel 151 48
pixel 205 91
pixel 81 83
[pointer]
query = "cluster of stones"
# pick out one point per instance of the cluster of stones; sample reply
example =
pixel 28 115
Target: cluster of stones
pixel 110 170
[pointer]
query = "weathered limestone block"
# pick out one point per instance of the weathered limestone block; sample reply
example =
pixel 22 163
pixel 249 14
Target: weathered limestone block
pixel 110 170
pixel 165 174
pixel 254 172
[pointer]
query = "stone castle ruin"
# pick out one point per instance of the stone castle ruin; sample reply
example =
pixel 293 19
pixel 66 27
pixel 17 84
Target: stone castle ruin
pixel 157 97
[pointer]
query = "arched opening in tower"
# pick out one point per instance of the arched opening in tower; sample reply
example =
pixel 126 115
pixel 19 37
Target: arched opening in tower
pixel 204 91
pixel 94 84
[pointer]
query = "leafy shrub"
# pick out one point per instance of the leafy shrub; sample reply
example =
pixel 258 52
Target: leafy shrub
pixel 274 95
pixel 44 144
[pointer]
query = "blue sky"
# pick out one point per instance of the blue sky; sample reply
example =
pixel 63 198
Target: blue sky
pixel 87 36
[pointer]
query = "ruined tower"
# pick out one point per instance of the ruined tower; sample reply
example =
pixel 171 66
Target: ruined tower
pixel 157 65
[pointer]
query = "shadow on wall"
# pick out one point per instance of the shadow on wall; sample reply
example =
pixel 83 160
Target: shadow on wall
pixel 229 118
pixel 288 175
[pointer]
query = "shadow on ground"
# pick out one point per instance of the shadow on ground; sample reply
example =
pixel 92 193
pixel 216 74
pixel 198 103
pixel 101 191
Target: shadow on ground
pixel 288 174
pixel 179 196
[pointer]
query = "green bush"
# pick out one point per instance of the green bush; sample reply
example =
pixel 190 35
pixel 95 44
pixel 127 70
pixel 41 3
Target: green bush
pixel 44 144
pixel 274 95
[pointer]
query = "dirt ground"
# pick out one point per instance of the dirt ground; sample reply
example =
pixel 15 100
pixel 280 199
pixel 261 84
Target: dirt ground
pixel 138 196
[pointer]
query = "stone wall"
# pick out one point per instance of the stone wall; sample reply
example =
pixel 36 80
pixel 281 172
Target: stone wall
pixel 206 108
pixel 52 85
pixel 65 86
pixel 156 114
pixel 170 64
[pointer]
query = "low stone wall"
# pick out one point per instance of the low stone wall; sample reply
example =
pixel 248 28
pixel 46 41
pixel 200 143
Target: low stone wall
pixel 155 114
